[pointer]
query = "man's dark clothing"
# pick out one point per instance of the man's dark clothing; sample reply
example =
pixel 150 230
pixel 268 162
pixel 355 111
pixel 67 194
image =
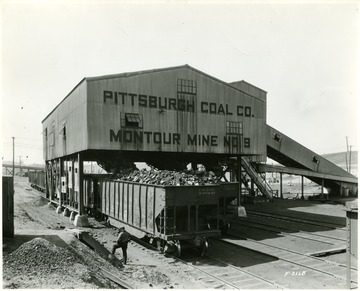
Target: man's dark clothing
pixel 122 242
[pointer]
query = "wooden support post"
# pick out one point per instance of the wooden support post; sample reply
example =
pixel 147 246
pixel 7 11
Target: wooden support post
pixel 197 218
pixel 174 219
pixel 252 187
pixel 71 182
pixel 51 180
pixel 59 171
pixel 165 224
pixel 81 218
pixel 348 254
pixel 281 184
pixel 81 185
pixel 302 188
pixel 64 174
pixel 341 189
pixel 218 216
pixel 59 175
pixel 47 193
pixel 239 181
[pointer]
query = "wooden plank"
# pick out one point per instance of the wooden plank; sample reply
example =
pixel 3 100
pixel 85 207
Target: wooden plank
pixel 116 279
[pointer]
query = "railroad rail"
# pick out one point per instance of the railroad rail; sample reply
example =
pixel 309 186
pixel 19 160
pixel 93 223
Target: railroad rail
pixel 230 276
pixel 334 242
pixel 316 264
pixel 239 278
pixel 286 231
pixel 300 220
pixel 217 273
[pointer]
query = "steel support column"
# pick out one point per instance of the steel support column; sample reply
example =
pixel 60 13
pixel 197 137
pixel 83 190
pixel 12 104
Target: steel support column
pixel 61 170
pixel 47 193
pixel 252 187
pixel 239 181
pixel 281 185
pixel 302 188
pixel 348 253
pixel 81 185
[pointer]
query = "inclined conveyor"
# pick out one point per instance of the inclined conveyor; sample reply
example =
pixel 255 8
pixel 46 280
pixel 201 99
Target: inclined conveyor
pixel 299 160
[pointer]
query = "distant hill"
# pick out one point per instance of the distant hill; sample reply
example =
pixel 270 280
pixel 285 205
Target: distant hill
pixel 339 159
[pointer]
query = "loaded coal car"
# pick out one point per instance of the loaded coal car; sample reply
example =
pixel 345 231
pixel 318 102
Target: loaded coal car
pixel 37 180
pixel 170 216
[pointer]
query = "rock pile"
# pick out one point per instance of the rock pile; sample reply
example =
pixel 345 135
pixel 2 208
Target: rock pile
pixel 39 256
pixel 168 178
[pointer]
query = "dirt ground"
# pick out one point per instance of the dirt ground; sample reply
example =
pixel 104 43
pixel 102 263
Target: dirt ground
pixel 44 253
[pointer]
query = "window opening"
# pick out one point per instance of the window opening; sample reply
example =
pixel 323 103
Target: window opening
pixel 315 160
pixel 63 131
pixel 186 86
pixel 133 120
pixel 233 127
pixel 277 137
pixel 51 139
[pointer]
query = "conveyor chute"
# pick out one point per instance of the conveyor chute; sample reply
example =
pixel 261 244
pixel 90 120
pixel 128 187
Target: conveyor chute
pixel 291 154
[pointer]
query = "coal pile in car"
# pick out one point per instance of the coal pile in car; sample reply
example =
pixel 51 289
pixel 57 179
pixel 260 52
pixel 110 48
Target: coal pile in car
pixel 168 178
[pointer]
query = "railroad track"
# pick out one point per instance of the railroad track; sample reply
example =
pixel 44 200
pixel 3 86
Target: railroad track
pixel 232 276
pixel 298 220
pixel 316 264
pixel 336 241
pixel 215 273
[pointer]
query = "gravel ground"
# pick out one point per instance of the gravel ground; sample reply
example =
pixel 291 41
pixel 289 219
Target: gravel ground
pixel 44 253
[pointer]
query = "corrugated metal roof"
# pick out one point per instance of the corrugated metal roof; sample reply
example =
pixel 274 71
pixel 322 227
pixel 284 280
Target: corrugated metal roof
pixel 130 74
pixel 168 69
pixel 243 81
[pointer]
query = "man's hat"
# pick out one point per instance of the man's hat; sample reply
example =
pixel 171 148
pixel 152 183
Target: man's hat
pixel 122 228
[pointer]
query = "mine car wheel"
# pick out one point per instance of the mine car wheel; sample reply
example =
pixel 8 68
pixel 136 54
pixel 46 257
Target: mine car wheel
pixel 205 247
pixel 178 248
pixel 160 245
pixel 153 241
pixel 224 228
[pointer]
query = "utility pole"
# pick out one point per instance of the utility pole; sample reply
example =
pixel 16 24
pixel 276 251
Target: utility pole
pixel 13 166
pixel 350 160
pixel 346 155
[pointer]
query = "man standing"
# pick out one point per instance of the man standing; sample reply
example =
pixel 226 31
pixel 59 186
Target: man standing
pixel 122 242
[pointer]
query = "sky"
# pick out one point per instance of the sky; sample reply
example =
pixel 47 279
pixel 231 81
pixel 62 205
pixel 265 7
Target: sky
pixel 303 54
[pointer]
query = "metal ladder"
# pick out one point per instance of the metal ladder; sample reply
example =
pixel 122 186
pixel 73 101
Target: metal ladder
pixel 167 221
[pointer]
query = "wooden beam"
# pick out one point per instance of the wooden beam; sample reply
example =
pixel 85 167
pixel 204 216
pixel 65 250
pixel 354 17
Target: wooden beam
pixel 263 168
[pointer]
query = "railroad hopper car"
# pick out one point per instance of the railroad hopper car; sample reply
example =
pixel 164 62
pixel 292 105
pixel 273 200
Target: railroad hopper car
pixel 37 180
pixel 172 217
